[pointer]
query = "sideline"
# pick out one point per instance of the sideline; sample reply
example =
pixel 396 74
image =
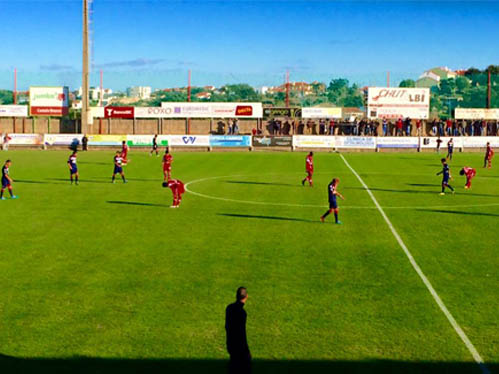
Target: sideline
pixel 438 300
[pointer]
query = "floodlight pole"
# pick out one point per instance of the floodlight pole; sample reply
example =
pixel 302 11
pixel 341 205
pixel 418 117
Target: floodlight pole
pixel 387 79
pixel 488 89
pixel 84 81
pixel 287 89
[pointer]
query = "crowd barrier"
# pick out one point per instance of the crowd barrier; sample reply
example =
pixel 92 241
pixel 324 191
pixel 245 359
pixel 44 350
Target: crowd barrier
pixel 256 142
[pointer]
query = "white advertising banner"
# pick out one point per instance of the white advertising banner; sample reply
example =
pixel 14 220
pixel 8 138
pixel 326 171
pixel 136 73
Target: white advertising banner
pixel 13 110
pixel 26 139
pixel 189 140
pixel 366 142
pixel 321 112
pixel 48 101
pixel 62 139
pixel 431 142
pixel 146 140
pixel 97 111
pixel 476 113
pixel 398 142
pixel 207 110
pixel 480 141
pixel 394 103
pixel 305 141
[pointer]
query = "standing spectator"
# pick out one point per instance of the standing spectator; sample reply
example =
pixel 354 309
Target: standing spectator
pixel 322 127
pixel 408 126
pixel 448 125
pixel 6 140
pixel 483 128
pixel 385 127
pixel 399 127
pixel 235 129
pixel 434 128
pixel 440 128
pixel 331 127
pixel 84 143
pixel 235 327
pixel 418 127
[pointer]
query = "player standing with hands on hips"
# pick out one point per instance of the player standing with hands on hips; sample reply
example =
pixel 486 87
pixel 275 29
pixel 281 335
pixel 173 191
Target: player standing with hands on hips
pixel 333 204
pixel 73 168
pixel 309 169
pixel 489 153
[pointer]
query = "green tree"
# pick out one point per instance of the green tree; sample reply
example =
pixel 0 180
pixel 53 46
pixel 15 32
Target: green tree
pixel 407 83
pixel 6 97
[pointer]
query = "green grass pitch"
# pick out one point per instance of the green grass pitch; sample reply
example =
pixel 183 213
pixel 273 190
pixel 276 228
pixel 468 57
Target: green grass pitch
pixel 105 277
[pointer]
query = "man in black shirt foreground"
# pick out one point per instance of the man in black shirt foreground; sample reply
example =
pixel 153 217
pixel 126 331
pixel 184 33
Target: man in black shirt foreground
pixel 235 327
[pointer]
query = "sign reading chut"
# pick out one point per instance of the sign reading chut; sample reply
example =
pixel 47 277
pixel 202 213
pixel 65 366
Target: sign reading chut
pixel 119 112
pixel 385 102
pixel 48 101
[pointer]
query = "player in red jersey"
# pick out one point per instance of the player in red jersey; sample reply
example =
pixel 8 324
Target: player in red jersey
pixel 470 173
pixel 124 152
pixel 489 153
pixel 167 165
pixel 309 169
pixel 178 190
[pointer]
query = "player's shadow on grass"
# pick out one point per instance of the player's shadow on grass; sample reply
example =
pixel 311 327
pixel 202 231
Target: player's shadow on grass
pixel 265 183
pixel 275 218
pixel 33 182
pixel 419 191
pixel 423 185
pixel 81 180
pixel 137 203
pixel 93 163
pixel 89 365
pixel 459 212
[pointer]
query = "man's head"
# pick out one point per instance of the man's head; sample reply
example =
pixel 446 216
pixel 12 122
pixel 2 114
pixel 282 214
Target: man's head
pixel 123 142
pixel 74 153
pixel 242 294
pixel 461 172
pixel 488 143
pixel 8 162
pixel 443 160
pixel 167 150
pixel 118 152
pixel 311 154
pixel 335 181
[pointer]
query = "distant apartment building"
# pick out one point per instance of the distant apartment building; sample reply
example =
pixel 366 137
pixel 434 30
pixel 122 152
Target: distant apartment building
pixel 433 76
pixel 302 88
pixel 140 92
pixel 94 93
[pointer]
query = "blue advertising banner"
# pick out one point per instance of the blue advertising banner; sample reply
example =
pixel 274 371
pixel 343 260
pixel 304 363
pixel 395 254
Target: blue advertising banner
pixel 230 141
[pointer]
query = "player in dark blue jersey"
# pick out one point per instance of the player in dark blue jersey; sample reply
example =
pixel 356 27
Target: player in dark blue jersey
pixel 333 204
pixel 6 181
pixel 73 168
pixel 445 176
pixel 118 167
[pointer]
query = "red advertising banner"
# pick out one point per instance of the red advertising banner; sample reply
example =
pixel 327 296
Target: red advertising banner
pixel 244 110
pixel 48 111
pixel 119 112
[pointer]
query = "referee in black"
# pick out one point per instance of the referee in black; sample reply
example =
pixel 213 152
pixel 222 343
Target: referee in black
pixel 235 327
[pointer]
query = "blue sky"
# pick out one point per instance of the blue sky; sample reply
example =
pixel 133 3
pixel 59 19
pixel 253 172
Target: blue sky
pixel 155 42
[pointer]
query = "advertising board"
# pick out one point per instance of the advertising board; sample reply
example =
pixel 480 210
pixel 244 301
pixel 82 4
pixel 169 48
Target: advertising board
pixel 48 101
pixel 208 110
pixel 106 140
pixel 313 141
pixel 394 103
pixel 230 141
pixel 476 113
pixel 189 140
pixel 480 141
pixel 13 110
pixel 119 112
pixel 269 113
pixel 321 112
pixel 272 141
pixel 398 142
pixel 146 140
pixel 26 139
pixel 62 139
pixel 367 142
pixel 431 142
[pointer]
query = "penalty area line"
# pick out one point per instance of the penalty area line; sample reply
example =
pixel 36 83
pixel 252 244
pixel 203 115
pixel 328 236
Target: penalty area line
pixel 467 342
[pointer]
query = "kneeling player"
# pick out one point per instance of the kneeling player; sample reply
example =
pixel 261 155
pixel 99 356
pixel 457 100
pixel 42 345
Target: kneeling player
pixel 73 168
pixel 118 167
pixel 178 190
pixel 333 204
pixel 309 169
pixel 6 181
pixel 445 176
pixel 470 173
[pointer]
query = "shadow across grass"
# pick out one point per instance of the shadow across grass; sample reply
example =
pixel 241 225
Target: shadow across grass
pixel 33 182
pixel 274 218
pixel 418 191
pixel 423 185
pixel 80 180
pixel 205 366
pixel 137 203
pixel 459 212
pixel 265 183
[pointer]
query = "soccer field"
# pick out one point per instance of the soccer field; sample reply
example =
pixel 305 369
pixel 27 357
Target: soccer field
pixel 105 277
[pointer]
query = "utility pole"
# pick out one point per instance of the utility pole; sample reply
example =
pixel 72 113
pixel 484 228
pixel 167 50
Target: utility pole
pixel 287 89
pixel 488 89
pixel 14 94
pixel 84 81
pixel 101 98
pixel 387 79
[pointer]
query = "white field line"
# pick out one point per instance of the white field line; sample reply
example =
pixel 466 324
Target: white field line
pixel 438 300
pixel 314 206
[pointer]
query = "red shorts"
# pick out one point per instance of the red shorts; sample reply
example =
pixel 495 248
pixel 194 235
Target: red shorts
pixel 167 168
